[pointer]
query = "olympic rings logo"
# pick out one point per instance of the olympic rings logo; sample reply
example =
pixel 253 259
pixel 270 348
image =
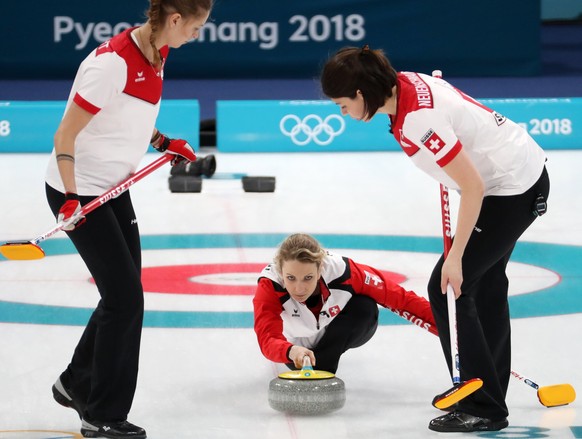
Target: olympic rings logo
pixel 312 128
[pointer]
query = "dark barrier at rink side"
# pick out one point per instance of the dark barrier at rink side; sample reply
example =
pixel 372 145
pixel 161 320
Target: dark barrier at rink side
pixel 287 39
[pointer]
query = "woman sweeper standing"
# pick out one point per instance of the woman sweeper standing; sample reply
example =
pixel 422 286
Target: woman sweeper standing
pixel 108 123
pixel 499 171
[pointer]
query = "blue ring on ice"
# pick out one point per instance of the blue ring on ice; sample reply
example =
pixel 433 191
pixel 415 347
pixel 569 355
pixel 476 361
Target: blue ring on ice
pixel 559 299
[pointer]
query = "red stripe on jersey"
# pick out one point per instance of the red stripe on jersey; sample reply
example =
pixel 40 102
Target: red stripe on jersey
pixel 85 105
pixel 473 101
pixel 407 145
pixel 164 51
pixel 423 93
pixel 103 48
pixel 413 94
pixel 450 155
pixel 143 81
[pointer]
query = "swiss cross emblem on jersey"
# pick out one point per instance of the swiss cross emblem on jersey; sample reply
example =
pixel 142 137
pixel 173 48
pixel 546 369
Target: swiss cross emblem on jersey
pixel 372 278
pixel 432 141
pixel 334 310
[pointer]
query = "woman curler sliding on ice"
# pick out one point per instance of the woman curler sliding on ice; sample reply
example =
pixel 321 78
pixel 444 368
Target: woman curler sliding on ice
pixel 313 303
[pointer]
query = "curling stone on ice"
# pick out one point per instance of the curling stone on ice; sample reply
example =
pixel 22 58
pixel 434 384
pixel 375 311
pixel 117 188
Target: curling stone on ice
pixel 258 184
pixel 187 176
pixel 307 391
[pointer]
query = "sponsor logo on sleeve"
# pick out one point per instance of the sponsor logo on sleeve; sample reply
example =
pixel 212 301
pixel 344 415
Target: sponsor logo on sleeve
pixel 499 118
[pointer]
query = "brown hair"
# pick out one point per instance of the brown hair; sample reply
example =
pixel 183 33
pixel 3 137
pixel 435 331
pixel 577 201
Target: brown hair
pixel 160 9
pixel 352 69
pixel 299 247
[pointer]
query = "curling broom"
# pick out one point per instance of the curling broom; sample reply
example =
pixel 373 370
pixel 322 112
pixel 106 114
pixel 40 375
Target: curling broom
pixel 554 395
pixel 29 250
pixel 460 389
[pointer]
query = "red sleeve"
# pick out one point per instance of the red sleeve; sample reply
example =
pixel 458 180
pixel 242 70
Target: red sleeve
pixel 371 282
pixel 268 322
pixel 85 105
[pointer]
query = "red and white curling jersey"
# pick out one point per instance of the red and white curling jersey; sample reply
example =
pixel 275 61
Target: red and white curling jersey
pixel 434 121
pixel 281 322
pixel 123 90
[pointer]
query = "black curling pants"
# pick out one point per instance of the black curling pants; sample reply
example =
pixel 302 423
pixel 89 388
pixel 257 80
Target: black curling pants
pixel 103 370
pixel 351 328
pixel 484 335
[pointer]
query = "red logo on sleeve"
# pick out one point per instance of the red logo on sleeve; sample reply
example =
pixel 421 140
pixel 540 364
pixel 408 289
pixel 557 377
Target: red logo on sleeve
pixel 104 48
pixel 334 310
pixel 432 141
pixel 407 145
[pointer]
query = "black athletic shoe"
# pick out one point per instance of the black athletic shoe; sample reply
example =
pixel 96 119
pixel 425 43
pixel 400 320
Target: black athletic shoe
pixel 459 422
pixel 121 430
pixel 66 398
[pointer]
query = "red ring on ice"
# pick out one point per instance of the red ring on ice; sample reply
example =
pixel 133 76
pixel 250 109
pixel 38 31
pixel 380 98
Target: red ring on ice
pixel 181 279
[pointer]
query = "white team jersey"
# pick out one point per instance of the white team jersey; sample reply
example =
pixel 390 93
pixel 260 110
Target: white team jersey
pixel 434 121
pixel 122 89
pixel 300 326
pixel 281 321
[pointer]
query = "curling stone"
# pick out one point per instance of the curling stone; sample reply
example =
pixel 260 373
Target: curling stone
pixel 258 184
pixel 307 391
pixel 185 183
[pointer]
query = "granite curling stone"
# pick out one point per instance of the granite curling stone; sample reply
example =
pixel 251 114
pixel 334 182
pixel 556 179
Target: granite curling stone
pixel 258 184
pixel 307 392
